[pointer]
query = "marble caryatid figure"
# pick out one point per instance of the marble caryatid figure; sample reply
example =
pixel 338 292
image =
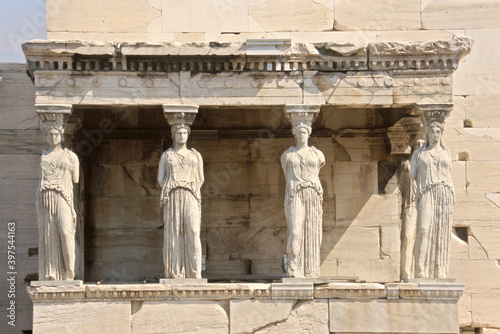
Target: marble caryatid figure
pixel 303 200
pixel 408 189
pixel 431 169
pixel 181 176
pixel 59 170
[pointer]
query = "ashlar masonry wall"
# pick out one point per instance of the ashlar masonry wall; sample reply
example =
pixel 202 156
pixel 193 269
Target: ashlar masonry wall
pixel 21 144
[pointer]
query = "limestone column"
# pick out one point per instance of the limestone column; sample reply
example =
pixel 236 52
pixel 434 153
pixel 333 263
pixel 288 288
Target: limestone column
pixel 57 219
pixel 303 195
pixel 180 176
pixel 431 170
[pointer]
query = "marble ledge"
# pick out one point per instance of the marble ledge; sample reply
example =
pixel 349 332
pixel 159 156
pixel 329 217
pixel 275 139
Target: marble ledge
pixel 233 291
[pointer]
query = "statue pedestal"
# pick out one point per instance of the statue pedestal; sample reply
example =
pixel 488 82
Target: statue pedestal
pixel 246 307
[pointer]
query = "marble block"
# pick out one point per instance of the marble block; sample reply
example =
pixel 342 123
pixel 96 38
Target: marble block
pixel 82 317
pixel 181 317
pixel 393 316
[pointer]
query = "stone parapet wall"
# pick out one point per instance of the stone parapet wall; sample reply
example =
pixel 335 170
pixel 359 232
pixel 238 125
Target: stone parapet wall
pixel 248 308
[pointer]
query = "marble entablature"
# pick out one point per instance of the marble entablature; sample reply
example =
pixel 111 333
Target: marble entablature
pixel 274 73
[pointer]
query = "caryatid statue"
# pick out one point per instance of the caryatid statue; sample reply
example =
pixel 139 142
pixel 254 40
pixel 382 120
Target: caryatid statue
pixel 408 188
pixel 180 176
pixel 59 170
pixel 431 169
pixel 304 195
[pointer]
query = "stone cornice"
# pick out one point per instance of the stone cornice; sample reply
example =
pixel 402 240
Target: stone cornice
pixel 226 291
pixel 210 57
pixel 432 55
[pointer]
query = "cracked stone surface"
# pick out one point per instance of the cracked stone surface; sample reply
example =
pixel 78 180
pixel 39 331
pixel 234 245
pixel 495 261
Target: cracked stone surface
pixel 247 316
pixel 308 317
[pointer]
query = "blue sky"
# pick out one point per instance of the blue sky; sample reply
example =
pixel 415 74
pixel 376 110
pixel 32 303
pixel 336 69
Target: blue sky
pixel 20 21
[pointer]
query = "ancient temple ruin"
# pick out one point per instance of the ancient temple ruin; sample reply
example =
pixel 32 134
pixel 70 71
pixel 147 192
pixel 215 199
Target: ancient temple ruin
pixel 371 100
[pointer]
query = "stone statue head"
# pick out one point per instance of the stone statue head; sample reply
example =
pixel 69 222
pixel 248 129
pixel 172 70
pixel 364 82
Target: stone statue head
pixel 300 130
pixel 434 131
pixel 176 128
pixel 301 125
pixel 54 133
pixel 419 142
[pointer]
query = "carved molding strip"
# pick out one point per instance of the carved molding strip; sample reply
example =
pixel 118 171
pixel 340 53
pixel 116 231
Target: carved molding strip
pixel 213 291
pixel 425 291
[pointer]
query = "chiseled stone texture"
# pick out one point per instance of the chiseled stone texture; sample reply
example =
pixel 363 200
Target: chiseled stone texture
pixel 17 97
pixel 491 331
pixel 204 16
pixel 307 317
pixel 483 176
pixel 456 14
pixel 290 15
pixel 377 15
pixel 474 145
pixel 99 16
pixel 477 78
pixel 482 281
pixel 247 316
pixel 482 110
pixel 82 317
pixel 355 177
pixel 209 317
pixel 486 45
pixel 401 316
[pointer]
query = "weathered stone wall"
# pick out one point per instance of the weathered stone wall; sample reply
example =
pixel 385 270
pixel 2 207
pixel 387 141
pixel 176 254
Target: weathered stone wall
pixel 20 146
pixel 248 308
pixel 243 223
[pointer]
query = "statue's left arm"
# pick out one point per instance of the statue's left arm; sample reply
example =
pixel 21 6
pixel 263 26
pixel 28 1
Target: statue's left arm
pixel 201 176
pixel 75 168
pixel 321 157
